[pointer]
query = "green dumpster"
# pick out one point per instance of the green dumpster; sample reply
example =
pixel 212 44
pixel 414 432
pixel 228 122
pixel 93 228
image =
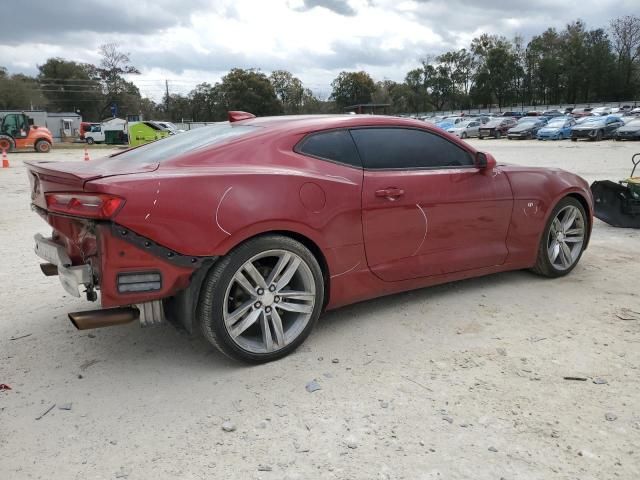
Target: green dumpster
pixel 145 132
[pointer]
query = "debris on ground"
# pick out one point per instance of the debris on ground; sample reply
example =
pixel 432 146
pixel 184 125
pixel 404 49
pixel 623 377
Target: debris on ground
pixel 335 360
pixel 578 379
pixel 88 364
pixel 228 426
pixel 600 381
pixel 21 336
pixel 45 412
pixel 446 418
pixel 493 449
pixel 610 417
pixel 65 406
pixel 313 386
pixel 4 386
pixel 264 468
pixel 628 314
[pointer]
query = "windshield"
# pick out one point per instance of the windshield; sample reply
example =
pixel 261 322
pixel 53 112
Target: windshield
pixel 556 123
pixel 176 145
pixel 592 120
pixel 493 123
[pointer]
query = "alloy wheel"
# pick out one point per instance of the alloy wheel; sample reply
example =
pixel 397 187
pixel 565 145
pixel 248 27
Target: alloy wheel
pixel 566 237
pixel 269 301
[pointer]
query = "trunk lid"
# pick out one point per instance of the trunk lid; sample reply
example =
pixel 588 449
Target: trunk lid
pixel 52 176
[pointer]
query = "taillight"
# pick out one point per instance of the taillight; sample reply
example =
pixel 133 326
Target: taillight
pixel 89 205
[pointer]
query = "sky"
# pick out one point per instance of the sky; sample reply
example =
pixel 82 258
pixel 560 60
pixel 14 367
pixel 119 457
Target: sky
pixel 192 41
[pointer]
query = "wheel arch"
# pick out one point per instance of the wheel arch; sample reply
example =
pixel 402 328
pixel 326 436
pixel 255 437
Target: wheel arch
pixel 181 309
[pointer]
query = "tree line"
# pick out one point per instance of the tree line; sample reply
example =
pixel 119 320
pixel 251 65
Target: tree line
pixel 568 66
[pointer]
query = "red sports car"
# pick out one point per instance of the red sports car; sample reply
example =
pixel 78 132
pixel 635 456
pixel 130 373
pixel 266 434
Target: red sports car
pixel 247 230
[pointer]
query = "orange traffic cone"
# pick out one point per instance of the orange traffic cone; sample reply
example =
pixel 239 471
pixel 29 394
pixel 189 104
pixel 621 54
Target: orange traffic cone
pixel 86 155
pixel 5 160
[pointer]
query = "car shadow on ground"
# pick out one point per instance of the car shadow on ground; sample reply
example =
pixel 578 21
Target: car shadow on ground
pixel 173 348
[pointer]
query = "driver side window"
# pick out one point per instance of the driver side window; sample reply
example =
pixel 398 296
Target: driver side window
pixel 408 148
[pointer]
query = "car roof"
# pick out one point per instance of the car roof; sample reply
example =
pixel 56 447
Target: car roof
pixel 323 122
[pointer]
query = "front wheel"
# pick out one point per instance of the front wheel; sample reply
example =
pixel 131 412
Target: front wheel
pixel 463 135
pixel 563 239
pixel 42 146
pixel 90 141
pixel 261 301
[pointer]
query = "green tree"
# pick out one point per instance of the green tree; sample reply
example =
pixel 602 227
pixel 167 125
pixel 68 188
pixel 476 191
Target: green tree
pixel 19 92
pixel 248 90
pixel 351 88
pixel 70 87
pixel 625 33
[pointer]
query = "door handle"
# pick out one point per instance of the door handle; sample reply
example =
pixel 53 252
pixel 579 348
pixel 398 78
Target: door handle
pixel 390 193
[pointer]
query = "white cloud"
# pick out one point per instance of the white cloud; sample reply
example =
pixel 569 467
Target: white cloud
pixel 199 40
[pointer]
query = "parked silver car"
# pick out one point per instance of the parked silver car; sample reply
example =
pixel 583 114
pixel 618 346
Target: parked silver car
pixel 468 128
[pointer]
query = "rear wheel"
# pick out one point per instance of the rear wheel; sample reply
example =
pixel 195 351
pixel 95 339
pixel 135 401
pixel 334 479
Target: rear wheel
pixel 90 141
pixel 262 300
pixel 6 143
pixel 574 139
pixel 563 239
pixel 599 135
pixel 42 146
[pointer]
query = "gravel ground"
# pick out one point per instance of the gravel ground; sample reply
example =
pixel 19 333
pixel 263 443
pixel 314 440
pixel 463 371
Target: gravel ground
pixel 460 381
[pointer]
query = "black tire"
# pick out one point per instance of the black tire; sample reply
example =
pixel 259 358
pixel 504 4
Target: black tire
pixel 598 136
pixel 90 141
pixel 498 135
pixel 574 139
pixel 543 266
pixel 42 146
pixel 7 143
pixel 463 135
pixel 212 296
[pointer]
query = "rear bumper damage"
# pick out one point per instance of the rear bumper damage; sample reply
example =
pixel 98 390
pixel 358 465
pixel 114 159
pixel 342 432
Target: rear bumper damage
pixel 135 277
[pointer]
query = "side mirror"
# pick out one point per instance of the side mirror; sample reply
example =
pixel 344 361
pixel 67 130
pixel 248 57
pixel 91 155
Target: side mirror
pixel 485 161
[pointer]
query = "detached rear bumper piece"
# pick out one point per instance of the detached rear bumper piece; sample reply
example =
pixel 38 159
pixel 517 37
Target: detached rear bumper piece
pixel 615 204
pixel 71 277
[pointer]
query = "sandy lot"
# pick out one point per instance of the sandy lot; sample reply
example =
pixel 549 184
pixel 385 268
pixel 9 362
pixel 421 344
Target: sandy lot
pixel 461 381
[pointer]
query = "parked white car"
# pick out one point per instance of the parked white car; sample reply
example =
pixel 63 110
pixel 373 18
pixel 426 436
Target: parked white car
pixel 470 128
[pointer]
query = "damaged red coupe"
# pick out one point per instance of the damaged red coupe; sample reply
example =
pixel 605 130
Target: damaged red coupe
pixel 247 230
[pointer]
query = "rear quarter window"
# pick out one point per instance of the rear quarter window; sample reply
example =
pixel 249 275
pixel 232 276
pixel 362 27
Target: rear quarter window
pixel 334 145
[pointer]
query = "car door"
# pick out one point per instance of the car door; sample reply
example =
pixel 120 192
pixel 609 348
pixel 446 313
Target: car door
pixel 473 129
pixel 426 208
pixel 611 125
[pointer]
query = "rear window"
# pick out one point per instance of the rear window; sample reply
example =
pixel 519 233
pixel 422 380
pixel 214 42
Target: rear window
pixel 179 144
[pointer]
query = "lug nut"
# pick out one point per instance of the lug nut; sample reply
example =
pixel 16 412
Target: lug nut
pixel 260 291
pixel 267 309
pixel 257 304
pixel 272 288
pixel 276 299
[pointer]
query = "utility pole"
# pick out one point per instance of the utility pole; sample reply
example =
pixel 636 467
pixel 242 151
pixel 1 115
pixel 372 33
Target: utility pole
pixel 166 99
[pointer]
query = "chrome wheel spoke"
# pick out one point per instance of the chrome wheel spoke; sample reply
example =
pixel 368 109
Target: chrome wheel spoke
pixel 295 307
pixel 575 231
pixel 244 282
pixel 282 262
pixel 569 218
pixel 237 313
pixel 276 321
pixel 255 275
pixel 554 250
pixel 565 255
pixel 572 239
pixel 295 295
pixel 267 339
pixel 287 275
pixel 245 323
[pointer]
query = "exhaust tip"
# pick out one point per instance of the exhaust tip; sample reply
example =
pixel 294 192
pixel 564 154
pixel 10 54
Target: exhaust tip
pixel 49 269
pixel 103 318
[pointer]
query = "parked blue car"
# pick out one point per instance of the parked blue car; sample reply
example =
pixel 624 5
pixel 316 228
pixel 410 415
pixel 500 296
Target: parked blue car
pixel 558 128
